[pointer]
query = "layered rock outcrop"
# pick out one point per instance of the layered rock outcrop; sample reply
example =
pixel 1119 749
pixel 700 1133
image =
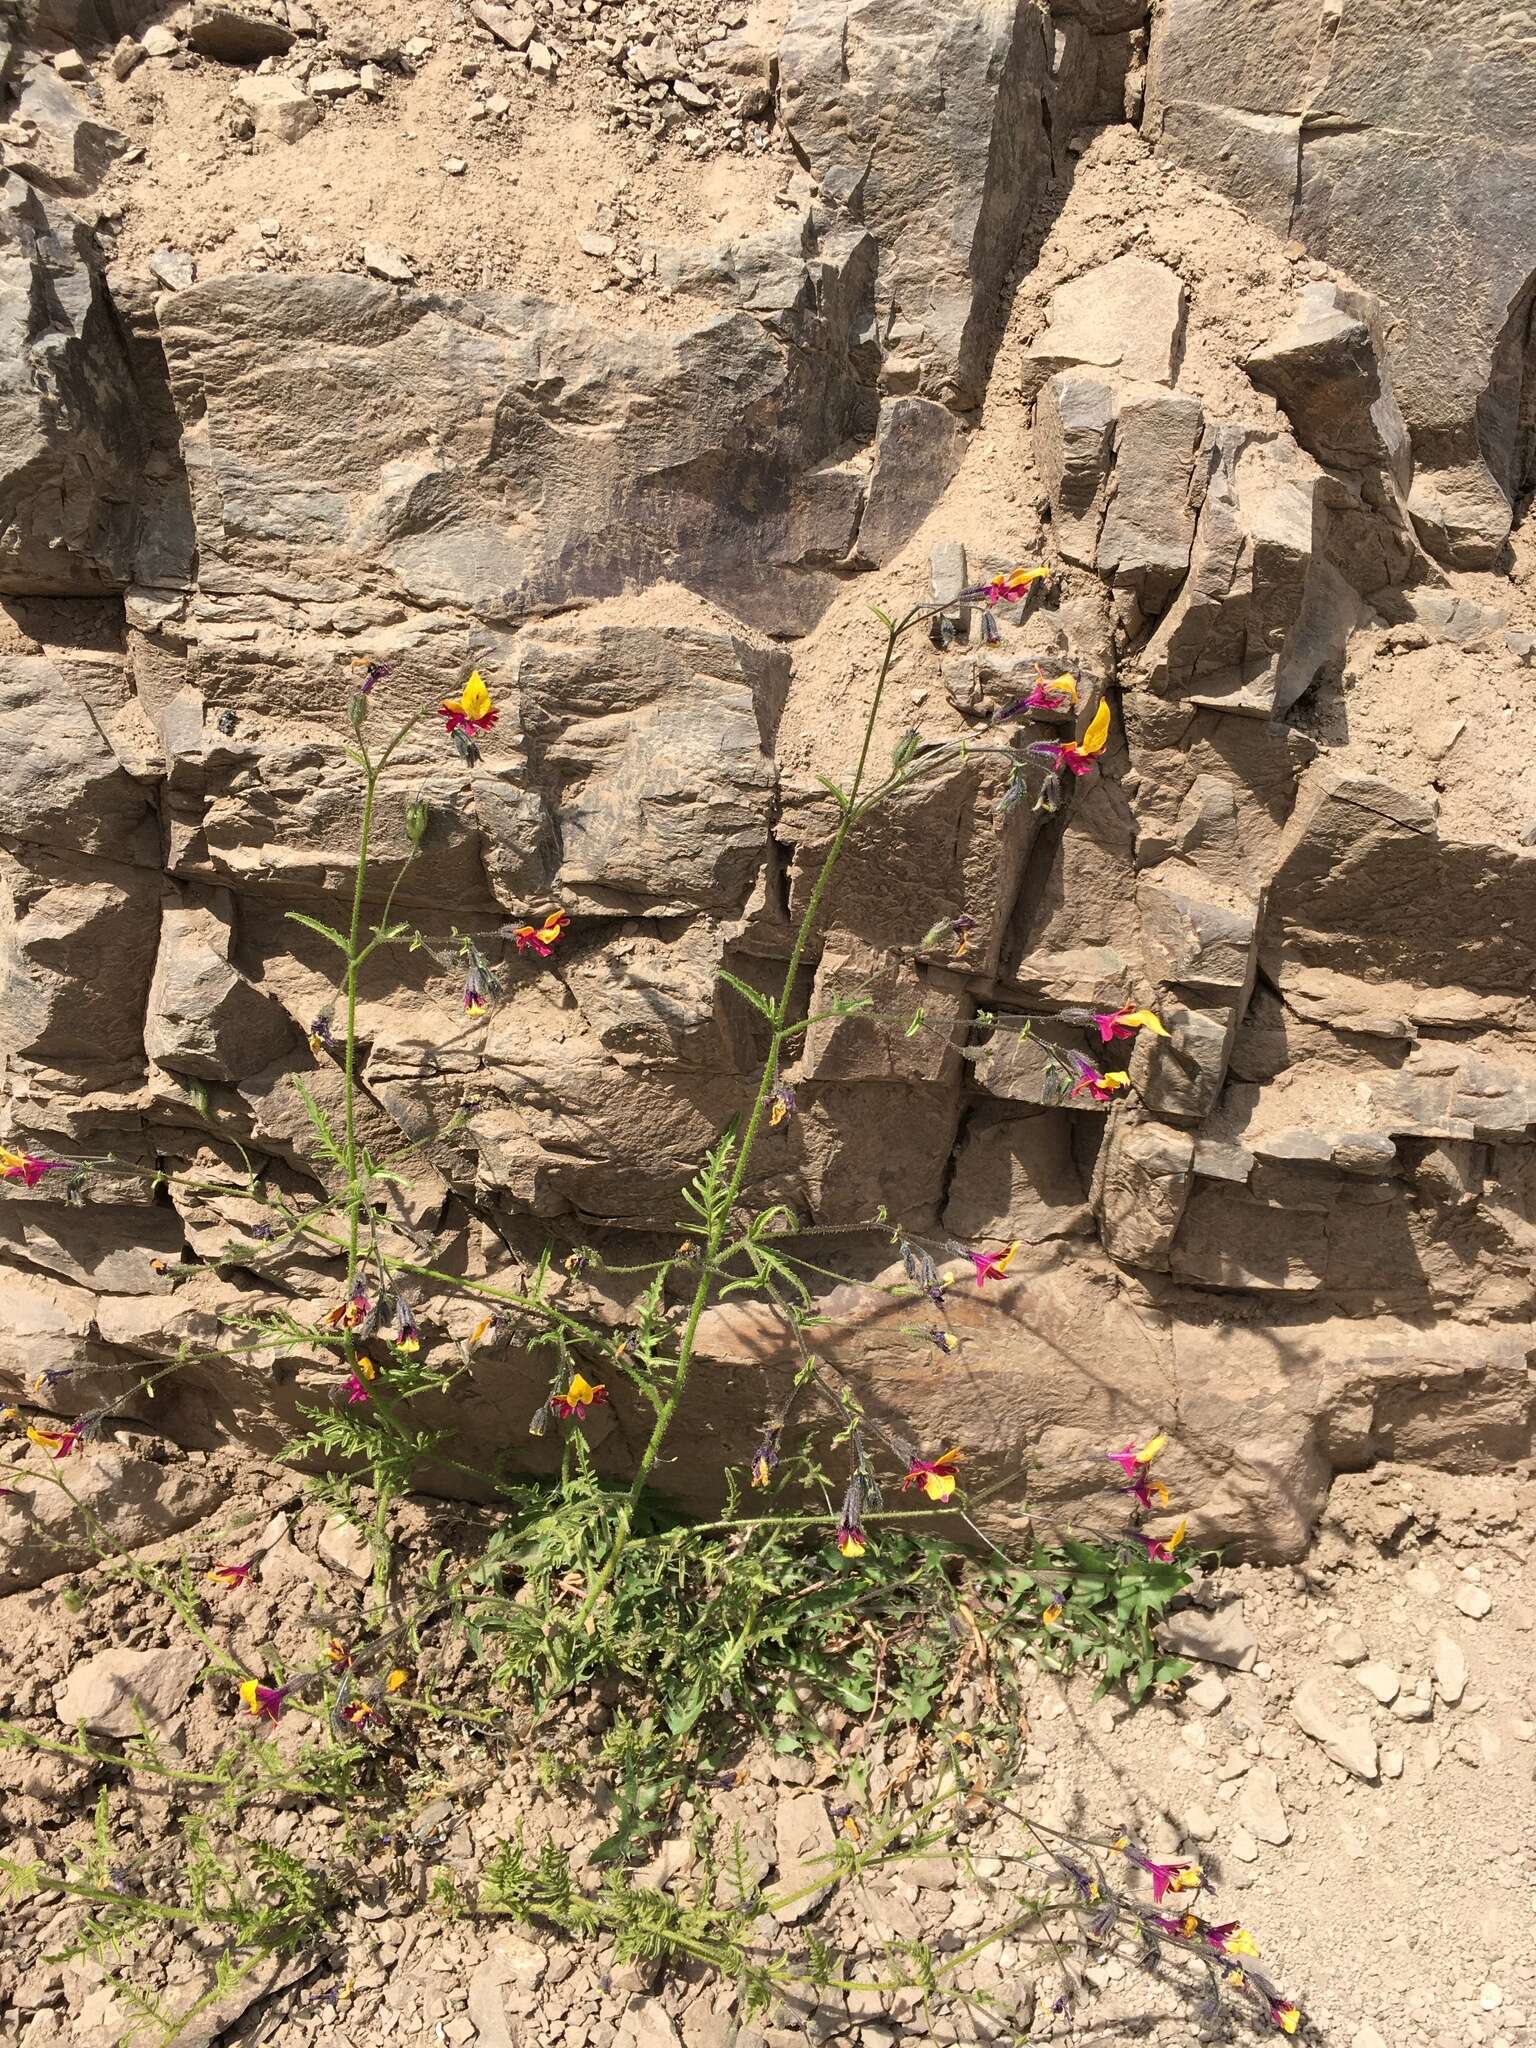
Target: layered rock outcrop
pixel 989 322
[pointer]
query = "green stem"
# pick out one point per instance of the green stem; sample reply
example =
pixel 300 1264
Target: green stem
pixel 721 1223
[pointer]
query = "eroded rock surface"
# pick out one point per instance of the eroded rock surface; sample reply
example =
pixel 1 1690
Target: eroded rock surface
pixel 969 318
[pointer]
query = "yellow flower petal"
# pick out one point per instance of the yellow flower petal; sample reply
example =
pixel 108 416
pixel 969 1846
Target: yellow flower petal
pixel 1096 738
pixel 1151 1448
pixel 939 1485
pixel 1144 1020
pixel 396 1679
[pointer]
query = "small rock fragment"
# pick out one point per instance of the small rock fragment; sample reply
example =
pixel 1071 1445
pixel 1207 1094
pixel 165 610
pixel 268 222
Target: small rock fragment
pixel 158 41
pixel 1208 1694
pixel 1473 1602
pixel 345 1548
pixel 455 166
pixel 380 260
pixel 69 64
pixel 1350 1745
pixel 126 57
pixel 1347 1646
pixel 277 107
pixel 1222 1637
pixel 174 268
pixel 507 26
pixel 541 58
pixel 1259 1807
pixel 1244 1847
pixel 1379 1680
pixel 1391 1763
pixel 690 94
pixel 1409 1706
pixel 1450 1669
pixel 596 245
pixel 234 37
pixel 805 1843
pixel 111 1692
pixel 1200 1825
pixel 334 85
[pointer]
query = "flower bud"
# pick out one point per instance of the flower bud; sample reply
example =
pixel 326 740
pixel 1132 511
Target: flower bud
pixel 417 816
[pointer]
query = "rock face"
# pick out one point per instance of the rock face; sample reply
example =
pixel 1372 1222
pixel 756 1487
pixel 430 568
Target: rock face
pixel 1309 116
pixel 655 518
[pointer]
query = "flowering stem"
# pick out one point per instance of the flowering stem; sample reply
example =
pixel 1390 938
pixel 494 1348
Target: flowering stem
pixel 850 811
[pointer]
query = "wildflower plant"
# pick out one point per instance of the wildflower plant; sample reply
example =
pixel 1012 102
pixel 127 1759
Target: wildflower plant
pixel 846 1575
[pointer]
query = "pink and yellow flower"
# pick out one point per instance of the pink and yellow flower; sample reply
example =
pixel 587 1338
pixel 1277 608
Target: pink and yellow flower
pixel 1285 2015
pixel 850 1539
pixel 1010 588
pixel 578 1397
pixel 1052 693
pixel 265 1702
pixel 992 1265
pixel 472 710
pixel 339 1654
pixel 1126 1023
pixel 764 1459
pixel 1166 1877
pixel 352 1386
pixel 1099 1084
pixel 229 1574
pixel 1231 1939
pixel 1158 1549
pixel 936 1476
pixel 27 1167
pixel 1133 1459
pixel 1049 1616
pixel 1077 757
pixel 541 938
pixel 62 1442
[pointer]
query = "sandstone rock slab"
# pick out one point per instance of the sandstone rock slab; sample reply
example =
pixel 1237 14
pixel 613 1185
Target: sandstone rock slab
pixel 115 1691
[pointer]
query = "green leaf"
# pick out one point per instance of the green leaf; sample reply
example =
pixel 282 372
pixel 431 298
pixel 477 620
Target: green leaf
pixel 319 1123
pixel 759 1002
pixel 326 931
pixel 840 796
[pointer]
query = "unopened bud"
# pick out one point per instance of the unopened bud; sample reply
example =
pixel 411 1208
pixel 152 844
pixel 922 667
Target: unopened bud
pixel 417 817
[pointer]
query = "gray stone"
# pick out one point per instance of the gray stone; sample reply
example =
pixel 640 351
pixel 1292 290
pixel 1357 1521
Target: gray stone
pixel 333 85
pixel 235 37
pixel 1074 428
pixel 1450 1669
pixel 1348 1744
pixel 918 445
pixel 805 1842
pixel 42 1534
pixel 1140 1188
pixel 345 1547
pixel 117 1689
pixel 159 41
pixel 1379 1680
pixel 382 260
pixel 1261 612
pixel 176 269
pixel 1145 542
pixel 1211 1636
pixel 68 149
pixel 1259 1807
pixel 928 122
pixel 1307 118
pixel 1126 316
pixel 506 24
